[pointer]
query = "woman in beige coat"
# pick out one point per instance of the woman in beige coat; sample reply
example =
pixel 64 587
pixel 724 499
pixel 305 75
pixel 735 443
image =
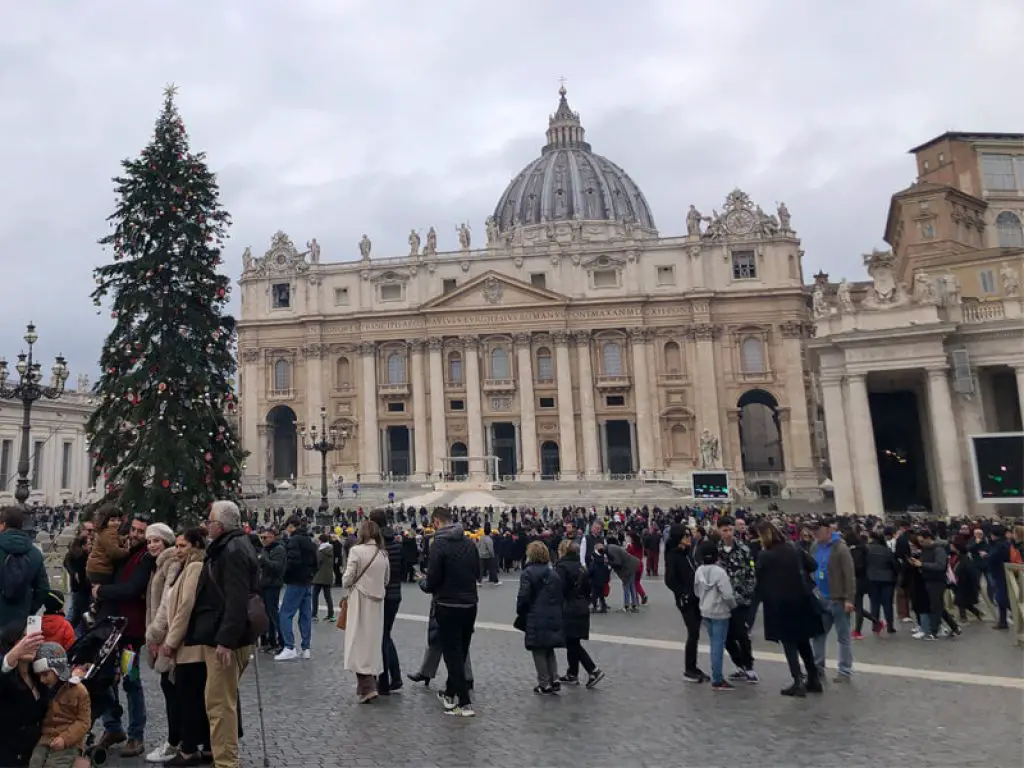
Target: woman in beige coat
pixel 366 577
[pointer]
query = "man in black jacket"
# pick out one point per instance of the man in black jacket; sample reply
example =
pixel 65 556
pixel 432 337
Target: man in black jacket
pixel 453 569
pixel 220 623
pixel 299 570
pixel 391 678
pixel 272 564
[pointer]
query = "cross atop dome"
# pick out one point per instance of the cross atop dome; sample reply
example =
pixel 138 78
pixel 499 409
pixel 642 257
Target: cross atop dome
pixel 564 128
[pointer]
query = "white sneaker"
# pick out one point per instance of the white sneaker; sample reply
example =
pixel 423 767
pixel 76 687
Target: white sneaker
pixel 306 655
pixel 918 634
pixel 287 654
pixel 162 754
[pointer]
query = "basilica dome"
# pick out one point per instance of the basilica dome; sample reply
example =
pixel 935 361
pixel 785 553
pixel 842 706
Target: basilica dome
pixel 570 182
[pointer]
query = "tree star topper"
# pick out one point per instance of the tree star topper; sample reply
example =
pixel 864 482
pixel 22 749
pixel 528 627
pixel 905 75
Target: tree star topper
pixel 171 90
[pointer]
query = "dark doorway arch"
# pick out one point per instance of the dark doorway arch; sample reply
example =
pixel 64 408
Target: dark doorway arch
pixel 550 461
pixel 285 465
pixel 760 432
pixel 459 466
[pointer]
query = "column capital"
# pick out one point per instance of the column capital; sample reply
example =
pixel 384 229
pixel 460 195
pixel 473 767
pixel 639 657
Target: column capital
pixel 522 339
pixel 859 378
pixel 703 331
pixel 639 335
pixel 435 343
pixel 470 342
pixel 581 337
pixel 560 337
pixel 938 373
pixel 250 355
pixel 367 348
pixel 416 345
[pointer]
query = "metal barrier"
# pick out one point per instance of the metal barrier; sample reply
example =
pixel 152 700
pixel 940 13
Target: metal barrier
pixel 1015 594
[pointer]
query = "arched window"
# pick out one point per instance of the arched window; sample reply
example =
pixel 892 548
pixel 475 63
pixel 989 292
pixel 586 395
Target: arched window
pixel 343 373
pixel 673 358
pixel 545 370
pixel 499 363
pixel 611 359
pixel 454 368
pixel 1009 230
pixel 282 375
pixel 752 355
pixel 396 368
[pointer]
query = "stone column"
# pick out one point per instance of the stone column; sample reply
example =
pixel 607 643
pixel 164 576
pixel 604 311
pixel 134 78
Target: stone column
pixel 527 403
pixel 566 416
pixel 420 466
pixel 591 458
pixel 1019 371
pixel 798 455
pixel 706 397
pixel 438 433
pixel 733 444
pixel 474 411
pixel 947 444
pixel 642 397
pixel 251 436
pixel 260 459
pixel 603 426
pixel 865 455
pixel 369 465
pixel 517 426
pixel 314 382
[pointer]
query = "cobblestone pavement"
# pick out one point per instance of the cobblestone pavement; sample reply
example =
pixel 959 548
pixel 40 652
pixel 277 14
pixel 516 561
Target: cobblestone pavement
pixel 642 714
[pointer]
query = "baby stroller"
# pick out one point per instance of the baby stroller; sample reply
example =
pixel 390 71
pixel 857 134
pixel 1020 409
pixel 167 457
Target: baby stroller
pixel 98 652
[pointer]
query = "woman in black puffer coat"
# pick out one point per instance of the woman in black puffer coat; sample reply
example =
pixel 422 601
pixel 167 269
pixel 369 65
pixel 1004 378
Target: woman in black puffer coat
pixel 539 615
pixel 575 614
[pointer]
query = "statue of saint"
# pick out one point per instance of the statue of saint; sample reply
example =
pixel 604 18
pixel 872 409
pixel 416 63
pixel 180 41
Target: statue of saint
pixel 924 289
pixel 431 247
pixel 693 220
pixel 819 304
pixel 491 225
pixel 365 246
pixel 783 212
pixel 463 230
pixel 414 243
pixel 1011 281
pixel 845 299
pixel 314 251
pixel 708 450
pixel 247 259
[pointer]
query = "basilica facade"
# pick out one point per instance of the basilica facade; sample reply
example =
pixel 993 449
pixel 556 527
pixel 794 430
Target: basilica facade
pixel 574 343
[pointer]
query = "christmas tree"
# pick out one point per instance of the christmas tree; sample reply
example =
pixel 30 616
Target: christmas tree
pixel 161 435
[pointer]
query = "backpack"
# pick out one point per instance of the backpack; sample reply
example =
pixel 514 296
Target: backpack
pixel 15 577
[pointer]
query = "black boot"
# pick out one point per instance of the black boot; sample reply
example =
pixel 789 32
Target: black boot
pixel 796 689
pixel 813 684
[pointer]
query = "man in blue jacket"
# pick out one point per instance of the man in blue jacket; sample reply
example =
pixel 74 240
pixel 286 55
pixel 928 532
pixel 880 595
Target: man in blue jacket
pixel 23 579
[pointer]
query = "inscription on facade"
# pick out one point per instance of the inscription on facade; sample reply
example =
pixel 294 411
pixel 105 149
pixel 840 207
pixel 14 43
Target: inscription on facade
pixel 490 318
pixel 598 314
pixel 397 324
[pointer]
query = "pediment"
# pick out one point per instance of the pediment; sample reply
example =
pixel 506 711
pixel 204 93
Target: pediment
pixel 491 290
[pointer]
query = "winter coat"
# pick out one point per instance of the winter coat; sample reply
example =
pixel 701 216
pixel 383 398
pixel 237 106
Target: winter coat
pixel 680 571
pixel 74 564
pixel 933 563
pixel 626 566
pixel 324 565
pixel 881 567
pixel 575 596
pixel 272 560
pixel 180 601
pixel 229 576
pixel 16 543
pixel 166 570
pixel 842 582
pixel 300 559
pixel 127 595
pixel 712 586
pixel 453 569
pixel 158 629
pixel 68 716
pixel 539 607
pixel 738 563
pixel 365 633
pixel 485 546
pixel 393 544
pixel 791 610
pixel 21 713
pixel 107 550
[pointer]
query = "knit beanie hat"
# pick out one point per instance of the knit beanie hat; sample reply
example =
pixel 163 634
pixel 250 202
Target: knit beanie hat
pixel 54 601
pixel 160 531
pixel 51 656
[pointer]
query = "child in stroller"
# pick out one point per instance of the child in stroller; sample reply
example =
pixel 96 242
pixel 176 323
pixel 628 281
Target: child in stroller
pixel 95 659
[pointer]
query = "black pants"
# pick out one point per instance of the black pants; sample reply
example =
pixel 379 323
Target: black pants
pixel 737 641
pixel 576 655
pixel 326 590
pixel 858 604
pixel 691 618
pixel 937 607
pixel 455 628
pixel 173 712
pixel 272 602
pixel 392 673
pixel 800 650
pixel 492 569
pixel 337 573
pixel 190 694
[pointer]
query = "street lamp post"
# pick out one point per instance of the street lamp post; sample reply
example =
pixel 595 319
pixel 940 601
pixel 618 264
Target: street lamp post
pixel 28 389
pixel 323 441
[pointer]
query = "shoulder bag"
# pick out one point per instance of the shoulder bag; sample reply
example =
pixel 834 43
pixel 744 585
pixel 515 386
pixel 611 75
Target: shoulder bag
pixel 342 622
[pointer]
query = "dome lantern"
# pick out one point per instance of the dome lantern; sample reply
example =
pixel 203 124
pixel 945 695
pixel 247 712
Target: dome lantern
pixel 564 128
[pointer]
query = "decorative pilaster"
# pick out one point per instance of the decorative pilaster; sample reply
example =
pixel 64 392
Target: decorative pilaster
pixel 527 404
pixel 438 431
pixel 706 397
pixel 251 418
pixel 420 466
pixel 566 415
pixel 369 465
pixel 642 397
pixel 591 458
pixel 474 411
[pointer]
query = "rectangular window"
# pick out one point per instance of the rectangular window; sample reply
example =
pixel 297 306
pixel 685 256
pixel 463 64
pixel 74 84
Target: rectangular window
pixel 606 278
pixel 341 297
pixel 744 265
pixel 281 293
pixel 547 402
pixel 987 280
pixel 65 466
pixel 391 292
pixel 396 407
pixel 615 401
pixel 539 280
pixel 666 276
pixel 37 465
pixel 449 284
pixel 6 451
pixel 457 405
pixel 997 172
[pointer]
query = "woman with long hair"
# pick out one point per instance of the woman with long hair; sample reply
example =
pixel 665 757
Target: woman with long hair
pixel 366 579
pixel 792 613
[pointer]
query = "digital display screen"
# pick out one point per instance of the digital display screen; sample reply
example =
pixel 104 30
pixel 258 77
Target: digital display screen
pixel 711 485
pixel 999 466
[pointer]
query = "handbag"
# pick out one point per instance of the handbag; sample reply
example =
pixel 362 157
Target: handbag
pixel 342 622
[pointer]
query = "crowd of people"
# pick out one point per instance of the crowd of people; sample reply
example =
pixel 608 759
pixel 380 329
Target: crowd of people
pixel 196 604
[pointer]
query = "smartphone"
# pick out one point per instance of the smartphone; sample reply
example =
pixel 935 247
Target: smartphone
pixel 34 624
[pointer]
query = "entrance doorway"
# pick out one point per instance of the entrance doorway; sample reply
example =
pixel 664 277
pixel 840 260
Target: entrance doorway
pixel 503 445
pixel 550 463
pixel 459 466
pixel 902 462
pixel 284 445
pixel 399 458
pixel 619 438
pixel 760 437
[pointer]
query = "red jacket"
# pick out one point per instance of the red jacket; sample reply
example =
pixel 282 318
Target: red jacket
pixel 56 629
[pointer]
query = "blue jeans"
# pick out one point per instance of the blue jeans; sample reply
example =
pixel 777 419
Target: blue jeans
pixel 880 596
pixel 717 631
pixel 629 596
pixel 834 616
pixel 298 598
pixel 136 711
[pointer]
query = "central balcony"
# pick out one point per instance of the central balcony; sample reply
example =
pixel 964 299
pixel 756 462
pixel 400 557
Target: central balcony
pixel 613 382
pixel 499 385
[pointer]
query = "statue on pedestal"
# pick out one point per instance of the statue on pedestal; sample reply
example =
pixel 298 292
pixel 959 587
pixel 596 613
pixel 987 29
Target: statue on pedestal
pixel 365 246
pixel 1011 281
pixel 845 299
pixel 431 247
pixel 693 220
pixel 708 450
pixel 414 243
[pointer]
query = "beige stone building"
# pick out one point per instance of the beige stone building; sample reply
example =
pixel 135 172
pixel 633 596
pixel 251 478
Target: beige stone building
pixel 931 351
pixel 573 342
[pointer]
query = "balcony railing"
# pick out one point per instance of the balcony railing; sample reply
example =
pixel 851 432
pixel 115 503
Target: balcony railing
pixel 984 311
pixel 607 381
pixel 499 385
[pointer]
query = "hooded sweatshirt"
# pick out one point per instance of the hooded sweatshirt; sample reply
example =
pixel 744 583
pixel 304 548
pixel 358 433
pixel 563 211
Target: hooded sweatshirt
pixel 26 597
pixel 714 590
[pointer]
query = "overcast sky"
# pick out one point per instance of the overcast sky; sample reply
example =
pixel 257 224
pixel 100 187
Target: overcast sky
pixel 330 118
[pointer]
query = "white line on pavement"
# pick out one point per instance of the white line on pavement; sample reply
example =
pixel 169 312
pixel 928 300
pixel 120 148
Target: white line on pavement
pixel 934 675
